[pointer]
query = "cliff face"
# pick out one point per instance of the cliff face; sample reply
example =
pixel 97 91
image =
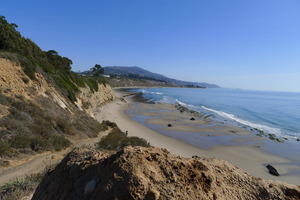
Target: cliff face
pixel 89 101
pixel 14 82
pixel 153 173
pixel 36 116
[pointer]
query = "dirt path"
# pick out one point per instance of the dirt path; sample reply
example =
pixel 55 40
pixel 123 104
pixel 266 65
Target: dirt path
pixel 18 169
pixel 40 162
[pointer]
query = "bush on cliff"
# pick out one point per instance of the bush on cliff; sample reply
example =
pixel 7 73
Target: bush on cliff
pixel 116 139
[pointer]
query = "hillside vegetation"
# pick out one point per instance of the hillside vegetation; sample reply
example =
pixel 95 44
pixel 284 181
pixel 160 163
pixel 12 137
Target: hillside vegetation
pixel 39 108
pixel 56 68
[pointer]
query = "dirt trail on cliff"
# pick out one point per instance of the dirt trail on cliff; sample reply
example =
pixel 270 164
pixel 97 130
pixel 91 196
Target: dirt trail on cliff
pixel 38 163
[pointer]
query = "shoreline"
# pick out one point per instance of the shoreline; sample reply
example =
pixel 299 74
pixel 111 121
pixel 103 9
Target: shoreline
pixel 250 159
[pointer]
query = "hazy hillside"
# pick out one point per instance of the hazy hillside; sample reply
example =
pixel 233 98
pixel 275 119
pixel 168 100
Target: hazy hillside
pixel 137 71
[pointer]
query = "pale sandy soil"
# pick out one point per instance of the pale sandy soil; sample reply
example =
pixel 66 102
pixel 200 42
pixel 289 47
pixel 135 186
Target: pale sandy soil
pixel 37 163
pixel 249 158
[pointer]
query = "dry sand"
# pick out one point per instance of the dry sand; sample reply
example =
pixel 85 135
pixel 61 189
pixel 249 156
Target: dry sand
pixel 249 158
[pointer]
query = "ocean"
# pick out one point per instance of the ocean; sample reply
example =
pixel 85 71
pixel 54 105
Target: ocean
pixel 271 112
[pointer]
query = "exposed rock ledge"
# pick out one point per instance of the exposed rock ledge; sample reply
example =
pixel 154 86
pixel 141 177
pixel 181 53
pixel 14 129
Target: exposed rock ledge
pixel 89 101
pixel 154 173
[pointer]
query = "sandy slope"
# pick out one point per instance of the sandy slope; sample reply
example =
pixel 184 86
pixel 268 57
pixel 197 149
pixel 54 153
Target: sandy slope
pixel 250 159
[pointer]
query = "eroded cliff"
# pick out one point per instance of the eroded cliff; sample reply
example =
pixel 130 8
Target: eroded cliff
pixel 35 115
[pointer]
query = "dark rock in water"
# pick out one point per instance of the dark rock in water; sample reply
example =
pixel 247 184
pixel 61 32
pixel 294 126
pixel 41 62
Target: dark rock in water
pixel 169 125
pixel 298 139
pixel 192 118
pixel 272 170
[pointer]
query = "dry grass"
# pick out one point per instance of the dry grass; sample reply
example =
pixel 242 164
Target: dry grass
pixel 21 188
pixel 30 127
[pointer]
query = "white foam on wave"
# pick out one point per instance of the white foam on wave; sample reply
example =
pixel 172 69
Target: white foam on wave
pixel 192 107
pixel 159 93
pixel 264 128
pixel 147 92
pixel 142 90
pixel 182 103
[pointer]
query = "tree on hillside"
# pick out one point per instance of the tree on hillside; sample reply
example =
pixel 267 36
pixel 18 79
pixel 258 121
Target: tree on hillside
pixel 97 70
pixel 52 52
pixel 58 61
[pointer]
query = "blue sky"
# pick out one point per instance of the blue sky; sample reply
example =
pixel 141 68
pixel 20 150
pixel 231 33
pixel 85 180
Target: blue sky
pixel 248 44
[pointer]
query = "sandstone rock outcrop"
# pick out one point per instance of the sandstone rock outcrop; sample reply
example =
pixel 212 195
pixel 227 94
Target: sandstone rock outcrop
pixel 89 101
pixel 154 173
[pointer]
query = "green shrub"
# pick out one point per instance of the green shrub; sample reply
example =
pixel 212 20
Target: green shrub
pixel 20 141
pixel 15 125
pixel 109 123
pixel 39 143
pixel 87 125
pixel 5 148
pixel 59 142
pixel 116 139
pixel 71 130
pixel 62 124
pixel 92 84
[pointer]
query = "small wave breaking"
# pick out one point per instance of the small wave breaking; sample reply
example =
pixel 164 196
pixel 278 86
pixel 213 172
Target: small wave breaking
pixel 181 103
pixel 147 92
pixel 232 117
pixel 262 127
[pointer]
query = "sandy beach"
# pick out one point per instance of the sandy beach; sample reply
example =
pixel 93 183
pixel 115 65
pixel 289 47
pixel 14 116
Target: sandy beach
pixel 248 157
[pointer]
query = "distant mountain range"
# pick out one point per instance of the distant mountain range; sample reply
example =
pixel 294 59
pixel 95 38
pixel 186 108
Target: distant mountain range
pixel 137 71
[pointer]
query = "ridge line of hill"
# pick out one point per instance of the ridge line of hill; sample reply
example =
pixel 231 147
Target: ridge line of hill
pixel 135 72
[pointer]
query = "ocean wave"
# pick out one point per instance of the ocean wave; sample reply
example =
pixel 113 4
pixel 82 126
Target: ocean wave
pixel 265 128
pixel 189 106
pixel 262 127
pixel 181 103
pixel 147 92
pixel 159 93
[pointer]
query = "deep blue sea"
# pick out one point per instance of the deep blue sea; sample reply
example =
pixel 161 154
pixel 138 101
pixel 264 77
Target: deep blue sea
pixel 271 112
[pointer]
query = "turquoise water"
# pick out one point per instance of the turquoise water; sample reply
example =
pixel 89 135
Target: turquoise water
pixel 272 112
